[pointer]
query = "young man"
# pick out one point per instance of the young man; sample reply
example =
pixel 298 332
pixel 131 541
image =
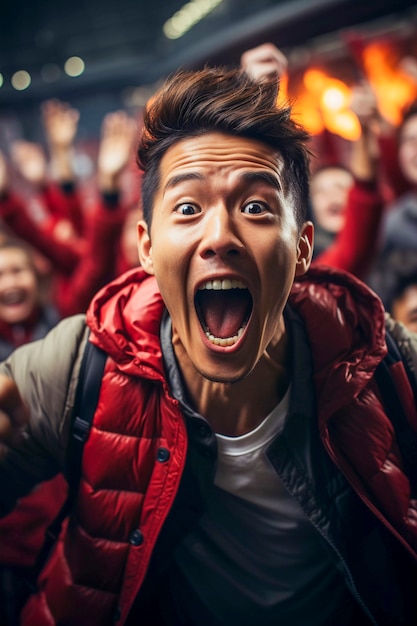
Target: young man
pixel 240 468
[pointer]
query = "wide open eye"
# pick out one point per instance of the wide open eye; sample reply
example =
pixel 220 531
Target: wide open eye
pixel 187 209
pixel 254 208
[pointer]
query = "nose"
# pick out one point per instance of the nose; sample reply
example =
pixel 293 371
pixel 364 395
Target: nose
pixel 7 280
pixel 220 235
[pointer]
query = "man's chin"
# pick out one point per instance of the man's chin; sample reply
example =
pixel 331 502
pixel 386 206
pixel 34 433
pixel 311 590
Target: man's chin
pixel 222 378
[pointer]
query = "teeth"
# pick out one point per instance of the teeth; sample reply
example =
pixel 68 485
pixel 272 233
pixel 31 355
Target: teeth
pixel 226 341
pixel 222 285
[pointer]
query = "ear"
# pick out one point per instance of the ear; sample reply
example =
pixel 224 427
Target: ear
pixel 305 248
pixel 145 247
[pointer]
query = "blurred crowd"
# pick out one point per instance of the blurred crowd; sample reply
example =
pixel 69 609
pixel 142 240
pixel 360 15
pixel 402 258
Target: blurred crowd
pixel 56 252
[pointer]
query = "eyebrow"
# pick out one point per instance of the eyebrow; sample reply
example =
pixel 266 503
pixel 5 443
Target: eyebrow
pixel 261 177
pixel 246 177
pixel 180 178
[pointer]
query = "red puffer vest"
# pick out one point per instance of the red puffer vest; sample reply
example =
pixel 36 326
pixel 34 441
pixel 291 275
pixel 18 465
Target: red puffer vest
pixel 134 457
pixel 132 464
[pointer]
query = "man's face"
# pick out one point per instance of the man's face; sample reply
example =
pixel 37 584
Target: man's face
pixel 329 193
pixel 404 308
pixel 407 153
pixel 18 286
pixel 225 248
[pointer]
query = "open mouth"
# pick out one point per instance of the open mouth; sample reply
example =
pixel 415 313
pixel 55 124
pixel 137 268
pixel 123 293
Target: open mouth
pixel 336 210
pixel 223 308
pixel 13 298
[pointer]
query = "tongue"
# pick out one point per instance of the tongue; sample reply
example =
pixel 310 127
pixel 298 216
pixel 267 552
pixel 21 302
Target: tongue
pixel 224 311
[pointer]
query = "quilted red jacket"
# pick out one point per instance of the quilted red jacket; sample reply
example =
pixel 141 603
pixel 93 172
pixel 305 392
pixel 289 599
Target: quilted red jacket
pixel 135 455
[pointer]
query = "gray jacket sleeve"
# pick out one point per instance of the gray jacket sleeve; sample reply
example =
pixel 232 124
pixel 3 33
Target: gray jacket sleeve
pixel 46 373
pixel 406 341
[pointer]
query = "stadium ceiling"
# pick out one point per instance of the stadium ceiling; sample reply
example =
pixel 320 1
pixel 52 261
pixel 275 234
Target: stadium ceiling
pixel 122 42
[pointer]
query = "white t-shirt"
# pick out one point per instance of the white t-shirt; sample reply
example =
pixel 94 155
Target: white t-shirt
pixel 254 557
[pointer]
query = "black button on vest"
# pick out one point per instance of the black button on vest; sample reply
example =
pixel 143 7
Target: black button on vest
pixel 136 537
pixel 162 455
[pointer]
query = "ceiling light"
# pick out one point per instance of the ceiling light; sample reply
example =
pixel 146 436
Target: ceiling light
pixel 74 66
pixel 187 16
pixel 21 80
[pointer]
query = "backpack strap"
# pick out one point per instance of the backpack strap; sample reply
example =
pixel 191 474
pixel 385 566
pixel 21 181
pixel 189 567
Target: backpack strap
pixel 405 434
pixel 86 397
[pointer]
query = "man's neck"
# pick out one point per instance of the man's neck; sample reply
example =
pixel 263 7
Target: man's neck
pixel 234 409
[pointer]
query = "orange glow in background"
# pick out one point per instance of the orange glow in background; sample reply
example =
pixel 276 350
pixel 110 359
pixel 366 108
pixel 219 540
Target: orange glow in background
pixel 322 100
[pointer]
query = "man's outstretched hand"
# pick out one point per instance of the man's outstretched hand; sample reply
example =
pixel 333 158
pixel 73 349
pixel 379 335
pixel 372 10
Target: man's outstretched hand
pixel 14 415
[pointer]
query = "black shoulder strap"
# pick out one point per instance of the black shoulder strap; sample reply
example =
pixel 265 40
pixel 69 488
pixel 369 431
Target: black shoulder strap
pixel 405 434
pixel 86 397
